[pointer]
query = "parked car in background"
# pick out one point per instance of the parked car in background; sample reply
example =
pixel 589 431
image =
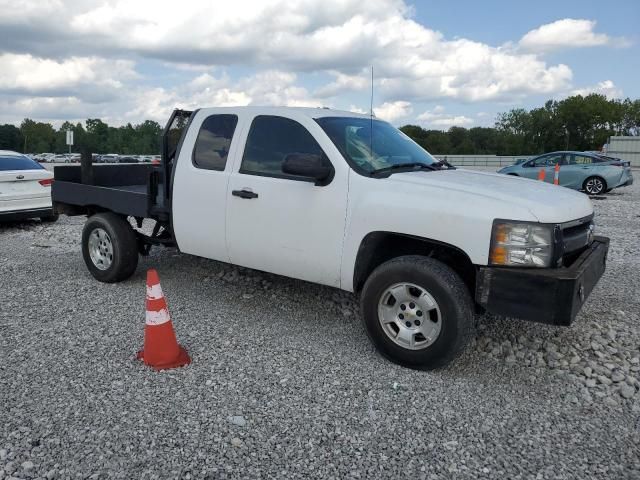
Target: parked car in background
pixel 45 157
pixel 109 158
pixel 127 159
pixel 593 173
pixel 25 188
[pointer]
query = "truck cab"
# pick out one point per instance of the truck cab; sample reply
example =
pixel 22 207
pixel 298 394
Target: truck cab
pixel 348 201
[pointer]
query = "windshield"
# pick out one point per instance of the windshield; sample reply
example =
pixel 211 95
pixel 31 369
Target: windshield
pixel 389 146
pixel 18 162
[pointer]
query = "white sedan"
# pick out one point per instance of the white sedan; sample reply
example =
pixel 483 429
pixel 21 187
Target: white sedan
pixel 25 188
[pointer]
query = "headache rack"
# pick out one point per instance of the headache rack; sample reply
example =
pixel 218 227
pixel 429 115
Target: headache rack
pixel 136 190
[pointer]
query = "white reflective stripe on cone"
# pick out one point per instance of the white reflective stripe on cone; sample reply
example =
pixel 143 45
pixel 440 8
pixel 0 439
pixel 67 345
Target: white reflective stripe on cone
pixel 154 292
pixel 157 318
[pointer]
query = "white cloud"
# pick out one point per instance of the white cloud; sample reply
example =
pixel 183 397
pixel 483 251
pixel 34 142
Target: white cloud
pixel 26 73
pixel 354 109
pixel 343 83
pixel 392 111
pixel 341 37
pixel 83 49
pixel 265 88
pixel 437 118
pixel 565 33
pixel 606 87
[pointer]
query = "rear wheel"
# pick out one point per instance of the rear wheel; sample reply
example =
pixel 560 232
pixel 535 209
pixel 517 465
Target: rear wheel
pixel 594 185
pixel 417 312
pixel 109 247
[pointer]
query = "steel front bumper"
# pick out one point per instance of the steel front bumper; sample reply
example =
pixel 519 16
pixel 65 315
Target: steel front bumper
pixel 550 295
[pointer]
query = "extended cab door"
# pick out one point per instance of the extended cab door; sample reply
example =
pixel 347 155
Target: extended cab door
pixel 279 223
pixel 200 184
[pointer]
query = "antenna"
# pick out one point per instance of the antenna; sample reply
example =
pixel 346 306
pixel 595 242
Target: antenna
pixel 371 118
pixel 371 101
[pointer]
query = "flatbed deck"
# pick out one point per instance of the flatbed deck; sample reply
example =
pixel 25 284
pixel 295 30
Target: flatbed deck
pixel 122 189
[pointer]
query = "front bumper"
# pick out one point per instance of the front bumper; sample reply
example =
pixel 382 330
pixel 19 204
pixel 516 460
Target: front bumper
pixel 550 295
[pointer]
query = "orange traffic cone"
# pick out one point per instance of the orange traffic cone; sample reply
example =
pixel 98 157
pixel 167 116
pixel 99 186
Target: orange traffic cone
pixel 161 350
pixel 556 175
pixel 541 175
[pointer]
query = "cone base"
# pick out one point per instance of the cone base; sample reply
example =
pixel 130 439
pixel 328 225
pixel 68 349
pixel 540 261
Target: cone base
pixel 181 360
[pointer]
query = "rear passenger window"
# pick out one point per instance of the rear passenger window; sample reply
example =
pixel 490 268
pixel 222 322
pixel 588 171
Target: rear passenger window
pixel 579 160
pixel 214 139
pixel 270 140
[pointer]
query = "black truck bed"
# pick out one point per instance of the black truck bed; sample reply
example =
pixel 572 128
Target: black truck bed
pixel 123 189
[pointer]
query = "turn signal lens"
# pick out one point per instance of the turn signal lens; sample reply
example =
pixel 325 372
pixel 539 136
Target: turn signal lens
pixel 499 255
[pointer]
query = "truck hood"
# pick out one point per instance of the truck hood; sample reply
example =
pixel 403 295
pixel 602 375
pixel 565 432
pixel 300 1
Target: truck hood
pixel 546 202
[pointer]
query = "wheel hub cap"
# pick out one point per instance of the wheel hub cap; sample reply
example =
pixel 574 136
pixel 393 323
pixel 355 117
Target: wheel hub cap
pixel 410 316
pixel 594 186
pixel 100 249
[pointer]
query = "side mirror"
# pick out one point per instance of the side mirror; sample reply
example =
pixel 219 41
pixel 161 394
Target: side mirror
pixel 309 166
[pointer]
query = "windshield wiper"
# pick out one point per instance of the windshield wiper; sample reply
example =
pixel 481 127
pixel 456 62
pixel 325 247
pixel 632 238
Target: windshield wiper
pixel 444 163
pixel 411 167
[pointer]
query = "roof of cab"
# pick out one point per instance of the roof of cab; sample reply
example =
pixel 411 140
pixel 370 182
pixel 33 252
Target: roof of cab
pixel 311 112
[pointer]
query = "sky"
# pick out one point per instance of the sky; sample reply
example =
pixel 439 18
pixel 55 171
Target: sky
pixel 435 63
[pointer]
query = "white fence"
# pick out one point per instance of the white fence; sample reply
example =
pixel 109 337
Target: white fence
pixel 481 160
pixel 626 148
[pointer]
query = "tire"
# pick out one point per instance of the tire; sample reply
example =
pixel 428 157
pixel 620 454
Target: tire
pixel 454 312
pixel 114 246
pixel 50 218
pixel 594 185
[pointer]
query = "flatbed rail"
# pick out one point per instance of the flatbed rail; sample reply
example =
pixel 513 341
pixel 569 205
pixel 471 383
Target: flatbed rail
pixel 122 189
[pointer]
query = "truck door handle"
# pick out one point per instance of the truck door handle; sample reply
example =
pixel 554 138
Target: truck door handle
pixel 244 194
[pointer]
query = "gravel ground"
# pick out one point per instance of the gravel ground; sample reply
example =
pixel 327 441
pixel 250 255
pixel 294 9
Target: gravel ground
pixel 284 383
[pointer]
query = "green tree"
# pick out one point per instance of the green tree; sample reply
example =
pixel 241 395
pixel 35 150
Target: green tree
pixel 11 138
pixel 38 137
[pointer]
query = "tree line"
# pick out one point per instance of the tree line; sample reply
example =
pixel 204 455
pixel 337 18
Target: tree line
pixel 575 123
pixel 39 137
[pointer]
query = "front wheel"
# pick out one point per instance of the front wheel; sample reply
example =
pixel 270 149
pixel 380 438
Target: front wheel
pixel 109 247
pixel 594 185
pixel 417 312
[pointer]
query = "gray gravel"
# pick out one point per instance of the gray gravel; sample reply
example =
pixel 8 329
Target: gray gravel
pixel 284 383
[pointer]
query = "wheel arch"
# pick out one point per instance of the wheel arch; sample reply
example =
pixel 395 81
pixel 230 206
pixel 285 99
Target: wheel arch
pixel 381 246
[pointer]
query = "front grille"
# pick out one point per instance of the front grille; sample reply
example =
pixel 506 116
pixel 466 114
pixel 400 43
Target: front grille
pixel 576 236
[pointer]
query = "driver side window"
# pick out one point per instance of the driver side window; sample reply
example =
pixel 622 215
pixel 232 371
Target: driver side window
pixel 270 140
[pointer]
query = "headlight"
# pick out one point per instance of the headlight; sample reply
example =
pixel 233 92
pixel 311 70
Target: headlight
pixel 521 244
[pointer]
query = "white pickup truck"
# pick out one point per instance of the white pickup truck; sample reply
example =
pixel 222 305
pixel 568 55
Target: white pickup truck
pixel 348 201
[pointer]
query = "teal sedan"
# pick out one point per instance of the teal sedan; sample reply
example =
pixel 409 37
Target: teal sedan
pixel 593 173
